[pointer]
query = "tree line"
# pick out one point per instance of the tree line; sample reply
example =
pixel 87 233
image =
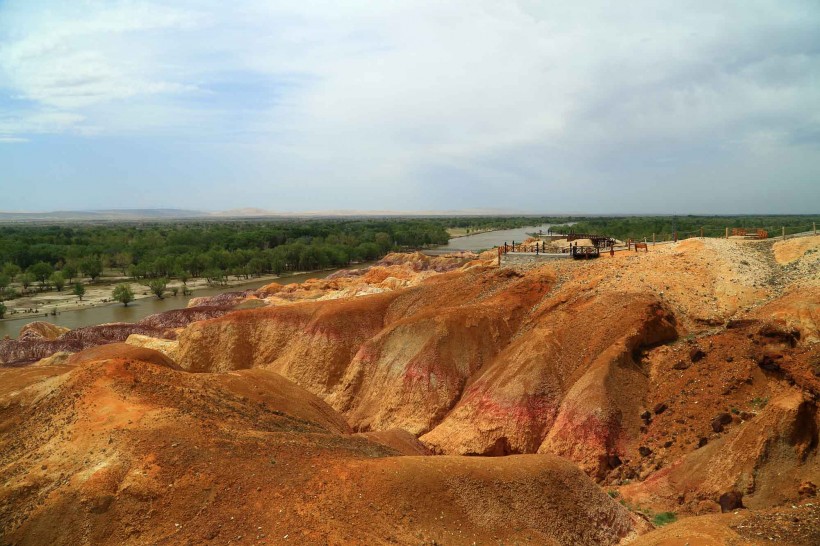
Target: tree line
pixel 45 256
pixel 665 227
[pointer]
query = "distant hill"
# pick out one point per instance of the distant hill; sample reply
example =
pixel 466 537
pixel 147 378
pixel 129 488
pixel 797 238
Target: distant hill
pixel 100 215
pixel 109 215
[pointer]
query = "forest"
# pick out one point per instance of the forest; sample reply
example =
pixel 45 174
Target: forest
pixel 45 256
pixel 664 228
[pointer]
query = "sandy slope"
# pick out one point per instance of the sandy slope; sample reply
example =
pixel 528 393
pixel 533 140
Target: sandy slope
pixel 121 448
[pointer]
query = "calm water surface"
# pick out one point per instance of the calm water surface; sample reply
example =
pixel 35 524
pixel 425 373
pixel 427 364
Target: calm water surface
pixel 140 309
pixel 489 239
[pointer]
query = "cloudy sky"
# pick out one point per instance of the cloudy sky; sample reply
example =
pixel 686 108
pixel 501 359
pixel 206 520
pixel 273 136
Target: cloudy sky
pixel 532 106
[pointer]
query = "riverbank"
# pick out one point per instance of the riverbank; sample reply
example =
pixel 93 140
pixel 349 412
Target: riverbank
pixel 456 233
pixel 51 303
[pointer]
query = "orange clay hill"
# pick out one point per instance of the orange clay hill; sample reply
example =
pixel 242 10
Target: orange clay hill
pixel 668 397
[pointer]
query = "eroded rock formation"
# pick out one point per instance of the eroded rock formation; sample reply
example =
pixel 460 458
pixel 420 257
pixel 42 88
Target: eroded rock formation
pixel 684 380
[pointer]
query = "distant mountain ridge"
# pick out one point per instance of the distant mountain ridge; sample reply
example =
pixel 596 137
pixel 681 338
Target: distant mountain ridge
pixel 248 212
pixel 112 214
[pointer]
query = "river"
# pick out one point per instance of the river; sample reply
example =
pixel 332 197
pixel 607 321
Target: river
pixel 489 239
pixel 140 309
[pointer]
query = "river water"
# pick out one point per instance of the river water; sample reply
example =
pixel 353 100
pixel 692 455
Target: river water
pixel 489 239
pixel 141 308
pixel 144 307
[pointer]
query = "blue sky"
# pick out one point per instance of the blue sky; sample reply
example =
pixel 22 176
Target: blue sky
pixel 525 106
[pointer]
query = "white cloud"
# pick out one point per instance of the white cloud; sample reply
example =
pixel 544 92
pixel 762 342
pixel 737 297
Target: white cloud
pixel 40 122
pixel 80 54
pixel 503 94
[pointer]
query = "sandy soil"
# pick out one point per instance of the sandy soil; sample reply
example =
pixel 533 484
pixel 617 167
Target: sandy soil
pixel 455 233
pixel 793 249
pixel 117 446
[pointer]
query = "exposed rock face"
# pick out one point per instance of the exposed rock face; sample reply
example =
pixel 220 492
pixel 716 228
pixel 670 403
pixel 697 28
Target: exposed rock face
pixel 481 362
pixel 168 347
pixel 437 337
pixel 791 250
pixel 226 299
pixel 562 385
pixel 525 498
pixel 731 425
pixel 731 501
pixel 798 309
pixel 397 359
pixel 466 357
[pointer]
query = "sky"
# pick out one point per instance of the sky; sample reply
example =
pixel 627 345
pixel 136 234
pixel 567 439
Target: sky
pixel 520 106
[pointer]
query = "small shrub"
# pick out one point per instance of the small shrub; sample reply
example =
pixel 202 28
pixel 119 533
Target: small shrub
pixel 79 290
pixel 612 493
pixel 760 402
pixel 157 286
pixel 664 518
pixel 123 294
pixel 10 294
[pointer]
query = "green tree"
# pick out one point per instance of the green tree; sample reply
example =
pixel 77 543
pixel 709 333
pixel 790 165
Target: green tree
pixel 5 280
pixel 2 310
pixel 11 270
pixel 137 271
pixel 383 240
pixel 57 280
pixel 257 266
pixel 26 279
pixel 122 261
pixel 215 276
pixel 92 267
pixel 277 264
pixel 368 251
pixel 69 272
pixel 157 287
pixel 41 271
pixel 79 290
pixel 123 294
pixel 163 266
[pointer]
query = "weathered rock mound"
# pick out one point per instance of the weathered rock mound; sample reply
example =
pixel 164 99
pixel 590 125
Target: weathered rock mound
pixel 540 499
pixel 125 451
pixel 41 331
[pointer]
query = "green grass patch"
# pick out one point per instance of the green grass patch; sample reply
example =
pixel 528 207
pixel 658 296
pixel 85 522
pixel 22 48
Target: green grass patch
pixel 664 518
